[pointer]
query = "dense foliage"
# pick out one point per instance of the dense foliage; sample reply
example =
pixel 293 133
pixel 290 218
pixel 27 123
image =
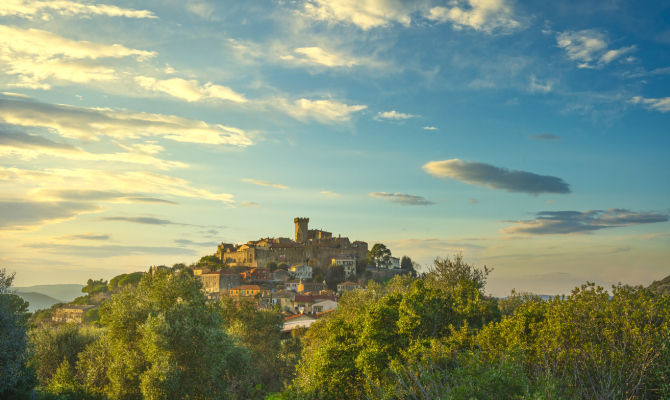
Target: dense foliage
pixel 436 336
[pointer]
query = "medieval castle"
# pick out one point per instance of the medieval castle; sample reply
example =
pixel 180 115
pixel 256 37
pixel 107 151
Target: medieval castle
pixel 311 246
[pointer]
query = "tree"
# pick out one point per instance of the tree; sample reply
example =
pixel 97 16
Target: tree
pixel 379 255
pixel 334 276
pixel 164 340
pixel 407 265
pixel 272 266
pixel 16 379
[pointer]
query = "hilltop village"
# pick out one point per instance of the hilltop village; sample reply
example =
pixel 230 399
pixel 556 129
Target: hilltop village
pixel 304 277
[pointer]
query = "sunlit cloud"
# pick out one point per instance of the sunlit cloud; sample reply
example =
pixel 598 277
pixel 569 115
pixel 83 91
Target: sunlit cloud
pixel 324 111
pixel 394 115
pixel 31 9
pixel 108 250
pixel 85 236
pixel 589 48
pixel 29 147
pixel 564 222
pixel 493 177
pixel 402 198
pixel 317 55
pixel 660 104
pixel 95 196
pixel 189 90
pixel 93 123
pixel 430 128
pixel 124 182
pixel 480 15
pixel 264 183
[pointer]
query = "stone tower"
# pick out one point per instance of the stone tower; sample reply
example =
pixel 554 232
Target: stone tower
pixel 301 229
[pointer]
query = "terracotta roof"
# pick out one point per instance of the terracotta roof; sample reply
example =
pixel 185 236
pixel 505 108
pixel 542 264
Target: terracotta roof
pixel 297 316
pixel 247 287
pixel 324 313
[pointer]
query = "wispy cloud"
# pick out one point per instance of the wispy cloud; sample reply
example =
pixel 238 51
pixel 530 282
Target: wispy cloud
pixel 29 147
pixel 564 222
pixel 141 220
pixel 264 183
pixel 325 111
pixel 37 57
pixel 481 15
pixel 24 214
pixel 394 116
pixel 402 198
pixel 330 193
pixel 249 204
pixel 661 104
pixel 317 55
pixel 189 90
pixel 109 181
pixel 589 48
pixel 493 177
pixel 546 136
pixel 34 8
pixel 85 236
pixel 93 123
pixel 187 242
pixel 430 128
pixel 108 250
pixel 95 195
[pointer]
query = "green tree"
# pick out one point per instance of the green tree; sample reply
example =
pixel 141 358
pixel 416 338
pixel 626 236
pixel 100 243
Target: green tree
pixel 407 265
pixel 379 255
pixel 16 379
pixel 164 340
pixel 334 276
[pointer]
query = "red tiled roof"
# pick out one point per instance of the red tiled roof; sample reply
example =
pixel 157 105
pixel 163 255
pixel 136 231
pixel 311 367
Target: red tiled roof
pixel 247 287
pixel 296 316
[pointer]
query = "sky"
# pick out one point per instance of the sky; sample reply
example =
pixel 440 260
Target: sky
pixel 530 137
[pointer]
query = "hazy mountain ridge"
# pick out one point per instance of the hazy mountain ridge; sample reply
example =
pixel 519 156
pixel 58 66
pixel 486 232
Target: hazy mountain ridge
pixel 63 293
pixel 38 301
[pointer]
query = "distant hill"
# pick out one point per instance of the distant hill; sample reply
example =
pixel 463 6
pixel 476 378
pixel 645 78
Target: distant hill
pixel 64 293
pixel 37 301
pixel 662 286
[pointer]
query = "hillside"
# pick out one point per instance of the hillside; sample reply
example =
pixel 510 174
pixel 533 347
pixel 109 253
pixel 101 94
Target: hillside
pixel 38 301
pixel 662 286
pixel 65 292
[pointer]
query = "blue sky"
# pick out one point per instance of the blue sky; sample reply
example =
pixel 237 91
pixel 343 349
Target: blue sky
pixel 529 137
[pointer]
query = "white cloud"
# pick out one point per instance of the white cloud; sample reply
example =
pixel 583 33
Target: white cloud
pixel 264 183
pixel 324 111
pixel 319 56
pixel 92 123
pixel 430 128
pixel 30 9
pixel 589 48
pixel 662 104
pixel 394 115
pixel 364 14
pixel 37 56
pixel 189 90
pixel 124 182
pixel 480 15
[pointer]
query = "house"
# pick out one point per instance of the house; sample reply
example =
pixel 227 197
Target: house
pixel 292 285
pixel 301 271
pixel 284 299
pixel 310 287
pixel 281 275
pixel 200 271
pixel 297 321
pixel 248 291
pixel 349 264
pixel 323 305
pixel 347 286
pixel 214 282
pixel 394 263
pixel 304 304
pixel 71 313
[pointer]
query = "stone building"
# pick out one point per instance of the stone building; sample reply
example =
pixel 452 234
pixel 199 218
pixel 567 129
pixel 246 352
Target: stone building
pixel 214 282
pixel 310 246
pixel 71 313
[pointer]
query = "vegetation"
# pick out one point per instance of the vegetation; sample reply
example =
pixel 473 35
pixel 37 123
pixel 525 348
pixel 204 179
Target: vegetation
pixel 437 336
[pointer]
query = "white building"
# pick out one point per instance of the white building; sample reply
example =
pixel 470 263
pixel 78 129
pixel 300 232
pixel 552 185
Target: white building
pixel 349 264
pixel 301 271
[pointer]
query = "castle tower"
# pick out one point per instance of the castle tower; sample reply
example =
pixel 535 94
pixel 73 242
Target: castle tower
pixel 301 229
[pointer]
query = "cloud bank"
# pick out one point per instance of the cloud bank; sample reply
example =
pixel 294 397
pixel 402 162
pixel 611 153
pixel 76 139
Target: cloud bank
pixel 493 177
pixel 565 222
